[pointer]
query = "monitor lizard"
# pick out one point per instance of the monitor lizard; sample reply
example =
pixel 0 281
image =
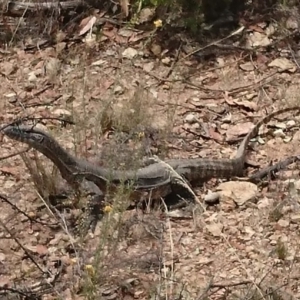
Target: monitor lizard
pixel 155 176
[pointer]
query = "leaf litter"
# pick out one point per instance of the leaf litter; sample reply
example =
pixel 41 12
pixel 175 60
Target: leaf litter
pixel 233 240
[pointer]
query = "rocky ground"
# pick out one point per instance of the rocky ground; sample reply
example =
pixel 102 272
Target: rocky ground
pixel 121 98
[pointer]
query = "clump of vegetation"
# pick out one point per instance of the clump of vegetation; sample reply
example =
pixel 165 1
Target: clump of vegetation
pixel 276 213
pixel 281 249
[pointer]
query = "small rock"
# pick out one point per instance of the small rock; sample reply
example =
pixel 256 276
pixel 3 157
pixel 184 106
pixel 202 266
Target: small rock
pixel 156 49
pixel 118 90
pixel 148 67
pixel 280 125
pixel 263 203
pixel 211 198
pixel 32 77
pixel 146 15
pixel 239 192
pixel 283 223
pixel 2 257
pixel 287 139
pixel 166 61
pixel 290 123
pixel 63 113
pixel 129 53
pixel 251 96
pixel 215 229
pixel 247 66
pixel 196 125
pixel 295 218
pixel 99 62
pixel 291 23
pixel 12 97
pixel 191 118
pixel 279 133
pixel 259 39
pixel 260 140
pixel 220 62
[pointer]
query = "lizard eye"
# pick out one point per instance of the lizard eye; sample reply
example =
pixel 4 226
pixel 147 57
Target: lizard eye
pixel 37 137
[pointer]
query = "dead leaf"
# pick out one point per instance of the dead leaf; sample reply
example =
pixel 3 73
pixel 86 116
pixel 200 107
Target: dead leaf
pixel 4 281
pixel 110 33
pixel 283 64
pixel 237 130
pixel 86 25
pixel 38 249
pixel 129 53
pixel 148 67
pixel 246 104
pixel 10 171
pixel 258 39
pixel 214 134
pixel 121 39
pixel 248 66
pixel 256 28
pixel 215 229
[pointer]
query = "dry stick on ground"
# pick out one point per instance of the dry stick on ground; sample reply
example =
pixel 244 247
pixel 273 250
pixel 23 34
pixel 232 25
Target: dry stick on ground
pixel 259 175
pixel 51 277
pixel 36 290
pixel 294 57
pixel 163 79
pixel 21 9
pixel 216 42
pixel 15 154
pixel 234 90
pixel 4 199
pixel 172 66
pixel 238 31
pixel 23 248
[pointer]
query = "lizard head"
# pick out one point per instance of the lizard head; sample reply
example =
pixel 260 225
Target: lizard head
pixel 42 142
pixel 25 134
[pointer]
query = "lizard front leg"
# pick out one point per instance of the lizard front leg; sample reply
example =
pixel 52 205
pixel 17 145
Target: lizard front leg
pixel 94 208
pixel 179 186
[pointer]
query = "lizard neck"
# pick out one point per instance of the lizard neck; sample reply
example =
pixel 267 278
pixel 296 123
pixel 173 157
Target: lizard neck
pixel 63 160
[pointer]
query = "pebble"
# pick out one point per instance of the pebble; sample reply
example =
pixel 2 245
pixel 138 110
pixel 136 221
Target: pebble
pixel 191 118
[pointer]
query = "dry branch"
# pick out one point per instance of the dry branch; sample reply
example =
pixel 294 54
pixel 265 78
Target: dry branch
pixel 22 9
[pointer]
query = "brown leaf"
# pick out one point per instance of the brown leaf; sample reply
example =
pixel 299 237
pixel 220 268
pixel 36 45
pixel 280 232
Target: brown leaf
pixel 38 249
pixel 4 281
pixel 237 130
pixel 214 134
pixel 10 171
pixel 110 33
pixel 256 28
pixel 246 104
pixel 86 25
